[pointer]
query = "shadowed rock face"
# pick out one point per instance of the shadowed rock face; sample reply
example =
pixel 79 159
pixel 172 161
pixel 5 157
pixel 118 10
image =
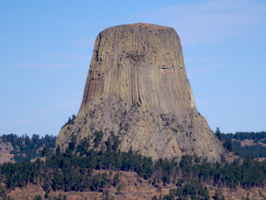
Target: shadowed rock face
pixel 138 92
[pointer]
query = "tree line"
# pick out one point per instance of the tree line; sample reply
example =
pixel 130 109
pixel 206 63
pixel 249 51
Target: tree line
pixel 245 135
pixel 26 148
pixel 254 151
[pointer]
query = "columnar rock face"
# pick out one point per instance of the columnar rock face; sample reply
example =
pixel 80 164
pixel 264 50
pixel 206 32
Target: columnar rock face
pixel 137 91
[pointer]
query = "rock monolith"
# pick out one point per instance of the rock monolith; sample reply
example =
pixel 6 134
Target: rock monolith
pixel 137 93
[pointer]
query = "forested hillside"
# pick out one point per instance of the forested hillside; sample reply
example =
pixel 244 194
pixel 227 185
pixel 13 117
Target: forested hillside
pixel 256 136
pixel 82 169
pixel 245 143
pixel 69 172
pixel 25 148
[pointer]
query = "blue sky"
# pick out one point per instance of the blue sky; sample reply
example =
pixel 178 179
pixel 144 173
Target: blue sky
pixel 46 47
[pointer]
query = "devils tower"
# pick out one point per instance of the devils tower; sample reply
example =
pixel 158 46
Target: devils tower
pixel 137 93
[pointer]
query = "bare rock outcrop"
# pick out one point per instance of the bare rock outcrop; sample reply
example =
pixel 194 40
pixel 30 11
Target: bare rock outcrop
pixel 137 91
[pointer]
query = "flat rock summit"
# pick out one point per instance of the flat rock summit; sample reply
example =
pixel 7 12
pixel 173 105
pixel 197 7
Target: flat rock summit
pixel 138 95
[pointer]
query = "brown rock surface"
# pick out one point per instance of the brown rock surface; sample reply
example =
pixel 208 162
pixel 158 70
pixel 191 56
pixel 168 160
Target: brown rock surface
pixel 137 89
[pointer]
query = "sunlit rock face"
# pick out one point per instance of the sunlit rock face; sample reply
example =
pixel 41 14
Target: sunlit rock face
pixel 137 91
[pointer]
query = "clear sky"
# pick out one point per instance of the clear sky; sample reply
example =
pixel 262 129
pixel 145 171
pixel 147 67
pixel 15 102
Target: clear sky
pixel 46 48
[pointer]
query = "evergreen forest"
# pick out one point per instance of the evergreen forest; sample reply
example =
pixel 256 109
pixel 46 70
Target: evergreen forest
pixel 232 142
pixel 74 170
pixel 81 168
pixel 26 148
